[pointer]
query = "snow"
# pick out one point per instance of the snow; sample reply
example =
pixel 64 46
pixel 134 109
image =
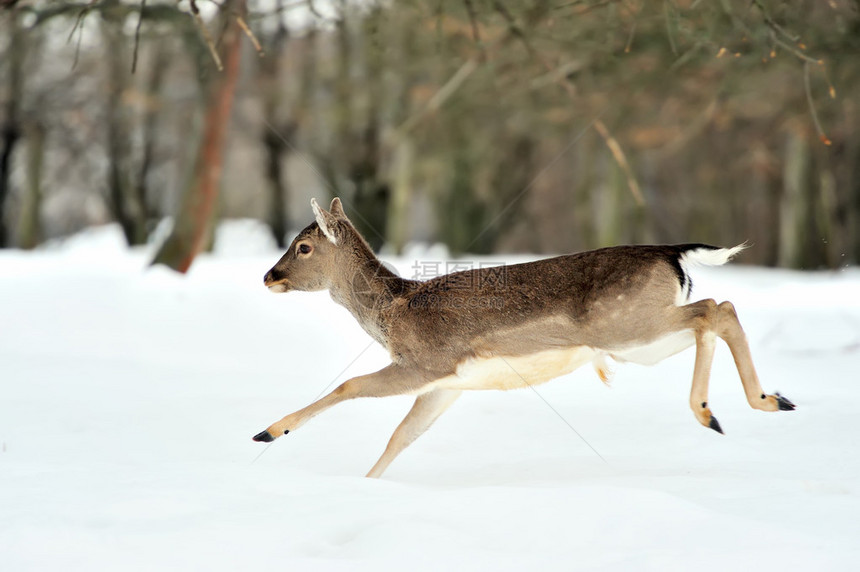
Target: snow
pixel 129 395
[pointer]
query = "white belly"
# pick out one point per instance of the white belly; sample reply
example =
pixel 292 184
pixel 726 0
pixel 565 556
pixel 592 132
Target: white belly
pixel 655 351
pixel 515 372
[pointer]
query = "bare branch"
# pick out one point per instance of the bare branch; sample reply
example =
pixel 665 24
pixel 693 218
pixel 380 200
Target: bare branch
pixel 137 37
pixel 79 21
pixel 795 51
pixel 473 20
pixel 772 24
pixel 207 37
pixel 251 36
pixel 440 97
pixel 585 7
pixel 314 11
pixel 821 135
pixel 621 159
pixel 513 28
pixel 79 27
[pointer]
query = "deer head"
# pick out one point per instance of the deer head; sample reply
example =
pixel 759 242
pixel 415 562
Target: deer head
pixel 313 260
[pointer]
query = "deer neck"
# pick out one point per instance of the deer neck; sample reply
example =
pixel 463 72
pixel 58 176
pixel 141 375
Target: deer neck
pixel 367 289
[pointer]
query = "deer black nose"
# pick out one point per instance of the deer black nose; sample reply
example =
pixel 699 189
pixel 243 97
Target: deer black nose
pixel 268 278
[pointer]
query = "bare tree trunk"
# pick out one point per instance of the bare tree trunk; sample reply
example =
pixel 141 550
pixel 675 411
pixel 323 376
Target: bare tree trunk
pixel 150 128
pixel 397 228
pixel 852 223
pixel 276 133
pixel 794 208
pixel 29 229
pixel 276 150
pixel 305 110
pixel 124 201
pixel 358 137
pixel 387 106
pixel 11 129
pixel 828 219
pixel 194 220
pixel 606 204
pixel 11 134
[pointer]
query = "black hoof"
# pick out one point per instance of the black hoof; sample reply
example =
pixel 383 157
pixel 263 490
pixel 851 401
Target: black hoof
pixel 715 425
pixel 263 437
pixel 784 403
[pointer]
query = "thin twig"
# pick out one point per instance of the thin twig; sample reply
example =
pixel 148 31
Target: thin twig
pixel 821 135
pixel 794 51
pixel 440 97
pixel 198 20
pixel 473 20
pixel 621 159
pixel 669 35
pixel 80 19
pixel 557 74
pixel 630 38
pixel 772 24
pixel 137 37
pixel 78 48
pixel 587 8
pixel 313 9
pixel 513 28
pixel 250 34
pixel 830 89
pixel 79 27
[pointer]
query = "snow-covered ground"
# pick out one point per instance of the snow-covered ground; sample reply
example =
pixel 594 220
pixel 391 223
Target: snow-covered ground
pixel 129 395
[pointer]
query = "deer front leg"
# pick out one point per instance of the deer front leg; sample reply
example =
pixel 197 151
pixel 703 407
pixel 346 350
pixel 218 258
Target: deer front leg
pixel 390 380
pixel 426 410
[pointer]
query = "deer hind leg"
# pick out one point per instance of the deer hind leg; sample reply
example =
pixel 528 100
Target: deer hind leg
pixel 704 328
pixel 391 380
pixel 730 330
pixel 426 410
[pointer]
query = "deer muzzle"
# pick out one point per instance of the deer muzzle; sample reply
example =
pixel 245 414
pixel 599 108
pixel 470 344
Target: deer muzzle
pixel 275 282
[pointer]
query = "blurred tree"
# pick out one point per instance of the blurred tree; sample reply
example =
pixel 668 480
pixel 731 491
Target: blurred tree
pixel 194 221
pixel 522 124
pixel 29 230
pixel 125 200
pixel 277 131
pixel 10 128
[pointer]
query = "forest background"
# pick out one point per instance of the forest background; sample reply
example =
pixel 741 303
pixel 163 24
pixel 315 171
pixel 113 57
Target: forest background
pixel 487 125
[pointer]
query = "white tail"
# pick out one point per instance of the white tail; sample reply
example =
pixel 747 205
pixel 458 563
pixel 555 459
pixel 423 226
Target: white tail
pixel 709 256
pixel 512 327
pixel 703 255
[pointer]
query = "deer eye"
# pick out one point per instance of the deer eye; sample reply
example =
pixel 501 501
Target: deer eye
pixel 305 248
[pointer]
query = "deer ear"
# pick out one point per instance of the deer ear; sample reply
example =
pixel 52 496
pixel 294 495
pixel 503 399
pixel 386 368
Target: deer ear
pixel 325 220
pixel 336 208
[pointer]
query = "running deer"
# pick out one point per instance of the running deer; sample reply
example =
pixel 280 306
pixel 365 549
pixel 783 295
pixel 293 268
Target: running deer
pixel 513 327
